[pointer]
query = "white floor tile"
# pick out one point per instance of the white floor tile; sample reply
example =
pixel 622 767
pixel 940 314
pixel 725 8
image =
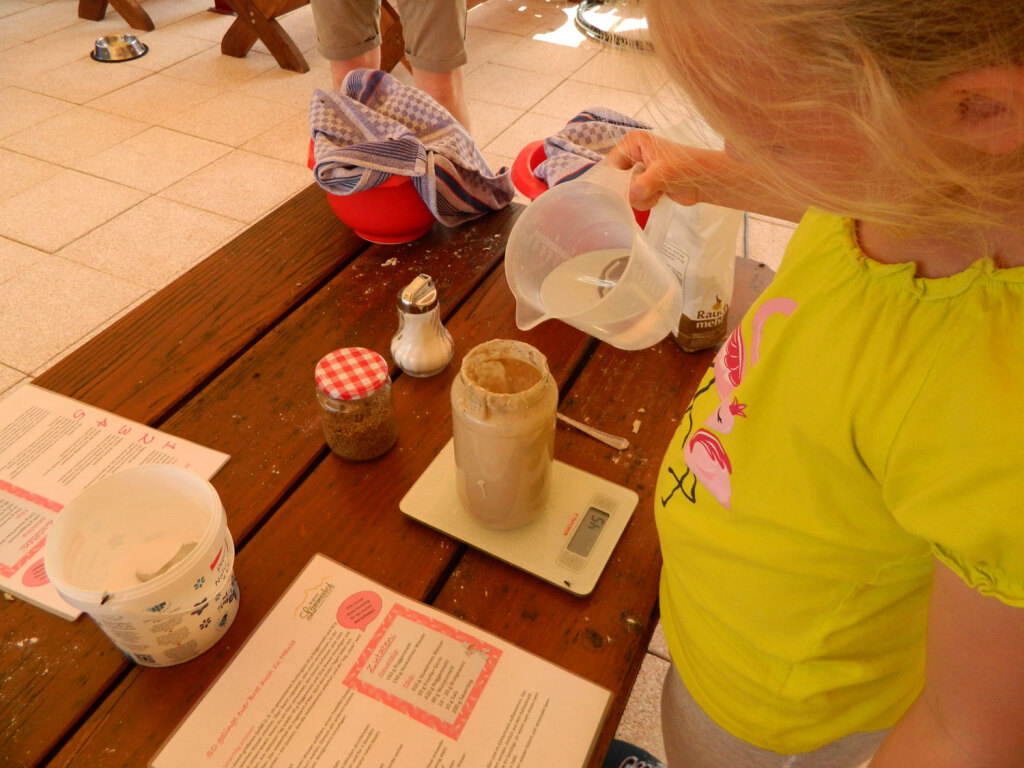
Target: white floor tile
pixel 488 120
pixel 211 67
pixel 509 86
pixel 530 127
pixel 62 209
pixel 27 64
pixel 641 722
pixel 543 55
pixel 91 333
pixel 154 99
pixel 21 172
pixel 57 302
pixel 167 47
pixel 287 141
pixel 83 80
pixel 240 185
pixel 160 239
pixel 154 159
pixel 659 646
pixel 767 239
pixel 285 87
pixel 206 26
pixel 230 118
pixel 483 45
pixel 10 8
pixel 72 136
pixel 9 378
pixel 15 258
pixel 40 20
pixel 514 16
pixel 20 109
pixel 628 71
pixel 167 12
pixel 573 96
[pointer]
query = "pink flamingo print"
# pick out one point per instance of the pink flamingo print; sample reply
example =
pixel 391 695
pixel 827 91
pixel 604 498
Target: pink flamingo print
pixel 704 453
pixel 710 464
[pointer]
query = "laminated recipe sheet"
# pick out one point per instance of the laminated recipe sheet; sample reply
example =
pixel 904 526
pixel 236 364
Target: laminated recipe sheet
pixel 344 672
pixel 51 447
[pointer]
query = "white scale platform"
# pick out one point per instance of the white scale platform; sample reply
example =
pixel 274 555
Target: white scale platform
pixel 568 545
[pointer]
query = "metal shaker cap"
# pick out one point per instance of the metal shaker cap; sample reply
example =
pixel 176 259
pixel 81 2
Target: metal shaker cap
pixel 419 296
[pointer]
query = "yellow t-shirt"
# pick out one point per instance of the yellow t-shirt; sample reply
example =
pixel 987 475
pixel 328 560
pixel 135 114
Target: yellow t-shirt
pixel 859 422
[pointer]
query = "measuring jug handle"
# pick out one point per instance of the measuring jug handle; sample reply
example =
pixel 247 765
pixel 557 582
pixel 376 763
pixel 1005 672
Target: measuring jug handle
pixel 611 178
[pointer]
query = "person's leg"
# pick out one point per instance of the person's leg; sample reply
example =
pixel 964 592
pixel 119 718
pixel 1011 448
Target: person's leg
pixel 694 740
pixel 435 45
pixel 368 60
pixel 348 35
pixel 447 89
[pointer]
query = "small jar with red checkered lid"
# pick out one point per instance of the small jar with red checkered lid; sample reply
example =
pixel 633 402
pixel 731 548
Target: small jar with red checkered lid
pixel 356 405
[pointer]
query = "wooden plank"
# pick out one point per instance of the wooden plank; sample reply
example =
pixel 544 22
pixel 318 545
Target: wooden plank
pixel 260 409
pixel 148 361
pixel 331 512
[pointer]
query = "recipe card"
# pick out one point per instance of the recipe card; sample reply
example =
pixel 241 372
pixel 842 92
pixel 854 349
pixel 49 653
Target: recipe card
pixel 345 672
pixel 52 447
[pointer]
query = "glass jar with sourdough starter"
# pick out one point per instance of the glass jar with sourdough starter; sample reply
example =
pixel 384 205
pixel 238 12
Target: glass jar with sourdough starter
pixel 503 422
pixel 357 409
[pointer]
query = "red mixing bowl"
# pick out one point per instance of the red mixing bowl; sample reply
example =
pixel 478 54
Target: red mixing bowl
pixel 530 186
pixel 392 212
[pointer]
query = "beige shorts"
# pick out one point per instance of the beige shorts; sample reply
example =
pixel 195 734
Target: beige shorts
pixel 434 30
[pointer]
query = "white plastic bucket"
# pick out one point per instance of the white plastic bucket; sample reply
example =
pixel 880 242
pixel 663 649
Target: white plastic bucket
pixel 578 255
pixel 146 552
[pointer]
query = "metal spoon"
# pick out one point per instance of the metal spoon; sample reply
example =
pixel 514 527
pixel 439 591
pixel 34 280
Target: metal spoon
pixel 618 443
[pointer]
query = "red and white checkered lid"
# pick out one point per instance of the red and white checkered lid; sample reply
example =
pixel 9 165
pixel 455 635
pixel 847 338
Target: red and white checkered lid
pixel 351 373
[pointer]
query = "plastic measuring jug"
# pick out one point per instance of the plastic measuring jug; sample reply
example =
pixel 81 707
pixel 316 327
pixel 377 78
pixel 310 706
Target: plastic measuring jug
pixel 577 255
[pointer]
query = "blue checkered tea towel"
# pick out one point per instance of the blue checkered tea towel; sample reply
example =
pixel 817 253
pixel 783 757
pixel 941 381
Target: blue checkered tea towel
pixel 585 140
pixel 376 127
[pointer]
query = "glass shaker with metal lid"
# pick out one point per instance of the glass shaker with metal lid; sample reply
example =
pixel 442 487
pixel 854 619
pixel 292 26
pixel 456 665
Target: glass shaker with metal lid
pixel 422 346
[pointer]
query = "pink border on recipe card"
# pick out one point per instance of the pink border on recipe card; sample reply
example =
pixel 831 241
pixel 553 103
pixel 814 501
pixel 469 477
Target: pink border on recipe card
pixel 451 729
pixel 41 501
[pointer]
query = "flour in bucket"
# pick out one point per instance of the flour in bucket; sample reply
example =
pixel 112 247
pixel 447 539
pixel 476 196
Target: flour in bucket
pixel 146 552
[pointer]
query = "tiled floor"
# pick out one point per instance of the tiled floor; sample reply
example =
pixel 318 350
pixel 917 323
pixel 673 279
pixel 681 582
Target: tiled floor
pixel 118 177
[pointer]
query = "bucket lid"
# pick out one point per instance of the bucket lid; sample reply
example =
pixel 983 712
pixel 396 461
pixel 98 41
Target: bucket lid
pixel 351 373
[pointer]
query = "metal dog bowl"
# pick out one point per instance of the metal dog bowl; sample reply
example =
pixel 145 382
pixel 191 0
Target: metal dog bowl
pixel 118 48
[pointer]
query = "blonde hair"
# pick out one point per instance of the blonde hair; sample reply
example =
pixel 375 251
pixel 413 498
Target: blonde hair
pixel 862 62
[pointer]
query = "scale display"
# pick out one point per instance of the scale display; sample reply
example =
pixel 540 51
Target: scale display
pixel 568 544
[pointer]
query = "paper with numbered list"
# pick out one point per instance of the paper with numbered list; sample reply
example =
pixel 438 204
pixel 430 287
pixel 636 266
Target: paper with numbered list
pixel 52 447
pixel 345 672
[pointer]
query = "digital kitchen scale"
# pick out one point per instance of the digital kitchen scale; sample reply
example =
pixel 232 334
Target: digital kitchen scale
pixel 568 544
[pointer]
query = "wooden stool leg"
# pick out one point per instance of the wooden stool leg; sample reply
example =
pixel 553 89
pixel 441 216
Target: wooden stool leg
pixel 243 33
pixel 392 46
pixel 93 10
pixel 133 13
pixel 239 39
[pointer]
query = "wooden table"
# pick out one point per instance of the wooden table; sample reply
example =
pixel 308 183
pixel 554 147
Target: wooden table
pixel 224 356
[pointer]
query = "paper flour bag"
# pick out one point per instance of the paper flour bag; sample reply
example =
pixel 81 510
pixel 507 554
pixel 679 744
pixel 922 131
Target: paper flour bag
pixel 698 243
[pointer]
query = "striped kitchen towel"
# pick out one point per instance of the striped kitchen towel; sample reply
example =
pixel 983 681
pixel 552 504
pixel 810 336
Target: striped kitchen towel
pixel 585 140
pixel 376 127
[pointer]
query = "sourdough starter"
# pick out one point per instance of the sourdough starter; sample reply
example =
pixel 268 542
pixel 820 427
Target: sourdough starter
pixel 503 420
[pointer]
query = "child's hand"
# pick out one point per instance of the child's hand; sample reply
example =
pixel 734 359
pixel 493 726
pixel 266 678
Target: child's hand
pixel 689 175
pixel 664 168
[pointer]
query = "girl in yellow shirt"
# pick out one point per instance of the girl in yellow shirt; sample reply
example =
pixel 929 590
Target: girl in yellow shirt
pixel 841 512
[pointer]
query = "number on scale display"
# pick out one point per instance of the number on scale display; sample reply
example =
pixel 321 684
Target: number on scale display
pixel 587 532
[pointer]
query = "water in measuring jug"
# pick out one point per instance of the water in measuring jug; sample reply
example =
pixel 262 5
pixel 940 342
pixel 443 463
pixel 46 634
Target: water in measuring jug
pixel 578 284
